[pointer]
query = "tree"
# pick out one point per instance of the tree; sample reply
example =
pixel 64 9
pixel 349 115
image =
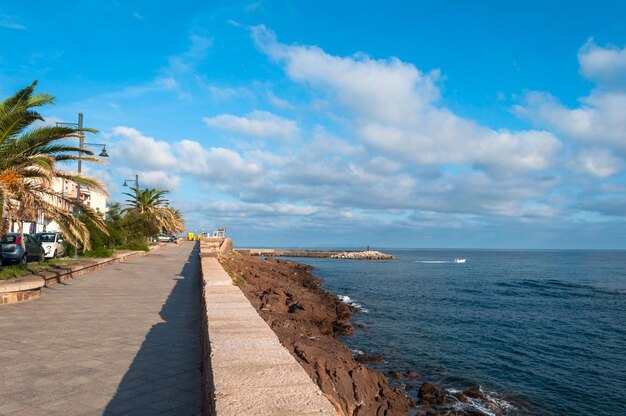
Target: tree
pixel 29 159
pixel 150 205
pixel 140 226
pixel 145 200
pixel 115 224
pixel 115 233
pixel 174 223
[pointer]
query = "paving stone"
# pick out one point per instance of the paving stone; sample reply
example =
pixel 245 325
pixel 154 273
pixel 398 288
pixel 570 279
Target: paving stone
pixel 30 411
pixel 112 342
pixel 8 405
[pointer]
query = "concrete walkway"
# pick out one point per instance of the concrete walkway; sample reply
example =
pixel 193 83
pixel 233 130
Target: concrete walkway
pixel 123 340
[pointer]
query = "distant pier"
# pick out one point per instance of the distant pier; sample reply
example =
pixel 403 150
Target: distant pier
pixel 319 254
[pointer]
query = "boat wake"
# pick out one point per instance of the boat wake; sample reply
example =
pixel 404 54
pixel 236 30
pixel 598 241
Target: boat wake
pixel 461 261
pixel 434 261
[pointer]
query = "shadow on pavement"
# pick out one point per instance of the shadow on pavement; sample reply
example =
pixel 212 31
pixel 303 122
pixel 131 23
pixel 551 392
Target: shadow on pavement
pixel 165 376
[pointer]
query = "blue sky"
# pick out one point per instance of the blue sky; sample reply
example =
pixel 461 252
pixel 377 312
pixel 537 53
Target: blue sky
pixel 353 123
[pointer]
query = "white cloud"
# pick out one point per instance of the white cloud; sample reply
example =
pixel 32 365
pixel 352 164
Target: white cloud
pixel 599 120
pixel 395 109
pixel 461 141
pixel 323 143
pixel 178 76
pixel 605 65
pixel 159 180
pixel 226 93
pixel 278 102
pixel 188 60
pixel 598 162
pixel 167 83
pixel 386 90
pixel 216 163
pixel 10 22
pixel 166 161
pixel 256 124
pixel 254 210
pixel 140 151
pixel 252 6
pixel 597 126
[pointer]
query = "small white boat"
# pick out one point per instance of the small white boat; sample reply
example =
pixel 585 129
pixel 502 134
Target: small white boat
pixel 458 260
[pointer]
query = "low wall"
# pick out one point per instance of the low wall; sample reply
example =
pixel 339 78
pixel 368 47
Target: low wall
pixel 246 370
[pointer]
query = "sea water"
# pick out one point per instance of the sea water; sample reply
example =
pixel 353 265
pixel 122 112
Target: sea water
pixel 543 332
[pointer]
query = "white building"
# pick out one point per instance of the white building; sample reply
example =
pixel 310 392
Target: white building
pixel 94 199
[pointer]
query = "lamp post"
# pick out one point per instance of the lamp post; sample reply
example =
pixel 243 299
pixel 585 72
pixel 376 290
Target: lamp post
pixel 136 184
pixel 81 145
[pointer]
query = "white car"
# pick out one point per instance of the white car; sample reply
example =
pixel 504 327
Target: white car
pixel 166 238
pixel 52 244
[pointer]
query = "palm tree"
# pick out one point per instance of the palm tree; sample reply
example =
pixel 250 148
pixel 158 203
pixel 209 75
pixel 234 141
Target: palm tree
pixel 29 159
pixel 152 203
pixel 172 221
pixel 145 201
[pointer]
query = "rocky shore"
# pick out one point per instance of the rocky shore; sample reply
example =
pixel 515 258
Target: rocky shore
pixel 363 255
pixel 306 319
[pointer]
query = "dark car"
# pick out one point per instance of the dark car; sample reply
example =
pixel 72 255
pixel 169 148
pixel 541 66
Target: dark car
pixel 14 252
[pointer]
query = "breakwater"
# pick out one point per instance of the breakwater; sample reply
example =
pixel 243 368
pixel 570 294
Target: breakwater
pixel 319 254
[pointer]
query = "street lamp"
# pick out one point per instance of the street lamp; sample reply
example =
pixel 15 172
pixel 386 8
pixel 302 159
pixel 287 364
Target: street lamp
pixel 136 184
pixel 81 145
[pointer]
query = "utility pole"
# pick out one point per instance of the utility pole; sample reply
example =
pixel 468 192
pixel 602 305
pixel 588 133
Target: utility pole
pixel 81 145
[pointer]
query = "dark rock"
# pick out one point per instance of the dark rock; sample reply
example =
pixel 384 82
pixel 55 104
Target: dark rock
pixel 460 397
pixel 361 326
pixel 412 374
pixel 342 329
pixel 431 395
pixel 294 307
pixel 396 374
pixel 367 358
pixel 474 412
pixel 475 393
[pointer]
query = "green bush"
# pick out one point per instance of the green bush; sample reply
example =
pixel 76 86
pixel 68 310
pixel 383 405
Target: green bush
pixel 140 226
pixel 115 225
pixel 135 245
pixel 101 242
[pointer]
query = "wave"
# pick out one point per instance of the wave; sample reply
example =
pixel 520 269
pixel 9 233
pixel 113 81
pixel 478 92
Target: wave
pixel 348 301
pixel 493 403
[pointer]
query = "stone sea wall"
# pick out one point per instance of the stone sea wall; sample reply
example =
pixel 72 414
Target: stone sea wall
pixel 246 370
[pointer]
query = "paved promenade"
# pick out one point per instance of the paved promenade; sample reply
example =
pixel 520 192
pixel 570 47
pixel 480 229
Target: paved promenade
pixel 123 340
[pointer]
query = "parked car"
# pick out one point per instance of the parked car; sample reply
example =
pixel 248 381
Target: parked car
pixel 167 238
pixel 14 252
pixel 52 244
